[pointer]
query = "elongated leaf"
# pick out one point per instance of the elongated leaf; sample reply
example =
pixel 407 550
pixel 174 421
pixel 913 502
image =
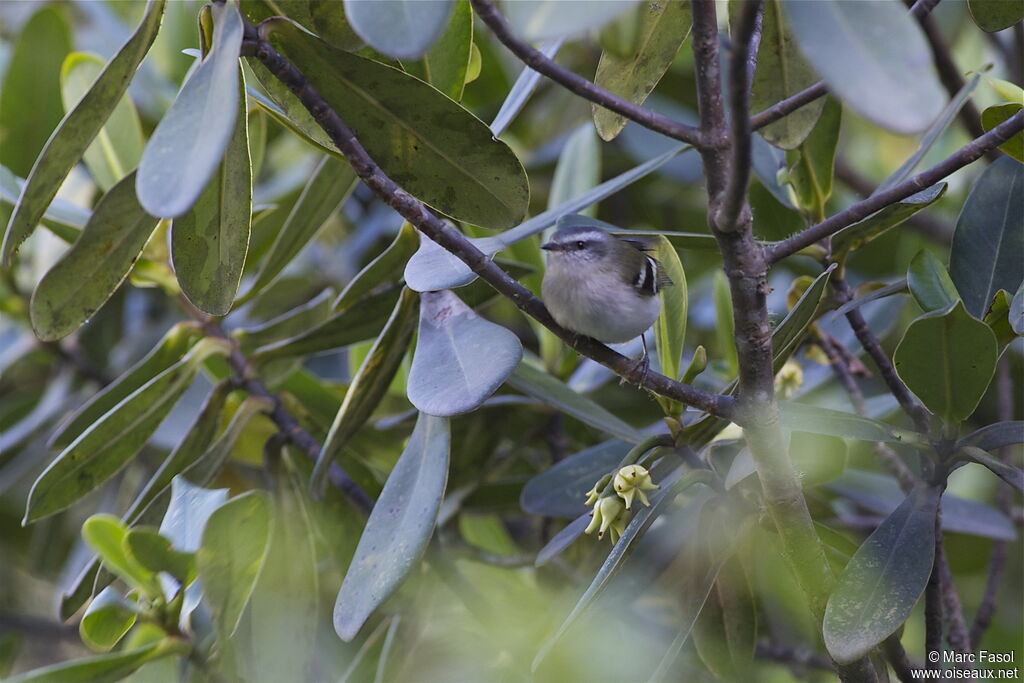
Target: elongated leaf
pixel 1008 473
pixel 88 273
pixel 547 19
pixel 562 540
pixel 429 144
pixel 930 283
pixel 811 165
pixel 185 150
pixel 105 534
pixel 399 528
pixel 433 268
pixel 989 237
pixel 290 323
pixel 110 157
pixel 993 116
pixel 874 56
pixel 1016 314
pixel 107 619
pixel 330 184
pixel 933 133
pixel 994 15
pixel 578 169
pixel 62 218
pixel 781 72
pixel 544 387
pixel 724 323
pixel 875 294
pixel 370 383
pixel 663 28
pixel 188 512
pixel 670 327
pixel 386 269
pixel 107 446
pixel 461 358
pixel 154 552
pixel 994 436
pixel 233 549
pixel 947 358
pixel 788 334
pixel 521 90
pixel 404 29
pixel 103 668
pixel 209 242
pixel 804 417
pixel 559 491
pixel 447 62
pixel 170 349
pixel 857 235
pixel 202 471
pixel 884 578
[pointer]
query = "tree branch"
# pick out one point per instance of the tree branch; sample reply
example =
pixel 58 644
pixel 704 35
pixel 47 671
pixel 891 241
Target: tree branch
pixel 967 154
pixel 453 241
pixel 575 83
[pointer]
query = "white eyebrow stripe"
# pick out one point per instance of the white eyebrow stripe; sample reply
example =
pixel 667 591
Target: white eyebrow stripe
pixel 591 236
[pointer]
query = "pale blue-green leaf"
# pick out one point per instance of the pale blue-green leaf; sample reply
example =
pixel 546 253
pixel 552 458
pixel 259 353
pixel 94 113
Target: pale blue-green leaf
pixel 874 56
pixel 433 268
pixel 461 358
pixel 994 436
pixel 989 237
pixel 1017 311
pixel 929 283
pixel 399 528
pixel 883 580
pixel 562 540
pixel 62 218
pixel 186 148
pixel 578 169
pixel 189 510
pixel 521 90
pixel 403 29
pixel 560 490
pixel 549 19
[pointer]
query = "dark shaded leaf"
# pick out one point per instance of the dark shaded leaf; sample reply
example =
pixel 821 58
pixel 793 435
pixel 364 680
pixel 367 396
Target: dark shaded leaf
pixel 876 293
pixel 385 270
pixel 559 491
pixel 929 282
pixel 993 116
pixel 300 319
pixel 447 61
pixel 1008 473
pixel 804 417
pixel 397 532
pixel 855 236
pixel 154 552
pixel 811 165
pixel 995 436
pixel 562 540
pixel 995 15
pixel 883 580
pixel 104 668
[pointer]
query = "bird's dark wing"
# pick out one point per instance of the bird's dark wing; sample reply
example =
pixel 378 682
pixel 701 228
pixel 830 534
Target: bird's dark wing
pixel 651 277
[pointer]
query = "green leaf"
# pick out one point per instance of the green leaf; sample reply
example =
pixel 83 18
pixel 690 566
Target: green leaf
pixel 544 387
pixel 781 72
pixel 209 242
pixel 104 668
pixel 535 20
pixel 154 552
pixel 170 350
pixel 670 327
pixel 559 491
pixel 88 273
pixel 62 218
pixel 929 282
pixel 993 116
pixel 724 635
pixel 663 28
pixel 105 534
pixel 998 319
pixel 447 62
pixel 107 619
pixel 330 23
pixel 461 358
pixel 578 169
pixel 385 269
pixel 27 120
pixel 931 135
pixel 995 436
pixel 788 334
pixel 403 29
pixel 109 157
pixel 995 15
pixel 107 446
pixel 724 323
pixel 361 320
pixel 875 291
pixel 810 171
pixel 233 549
pixel 872 55
pixel 331 182
pixel 1008 473
pixel 947 358
pixel 426 142
pixel 186 147
pixel 399 527
pixel 370 383
pixel 521 90
pixel 884 578
pixel 989 237
pixel 804 417
pixel 433 268
pixel 202 471
pixel 855 236
pixel 290 323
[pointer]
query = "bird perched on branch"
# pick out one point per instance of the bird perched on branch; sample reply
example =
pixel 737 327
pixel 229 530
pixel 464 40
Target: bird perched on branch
pixel 602 286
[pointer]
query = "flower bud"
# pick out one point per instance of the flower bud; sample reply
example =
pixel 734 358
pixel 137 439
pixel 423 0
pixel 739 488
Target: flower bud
pixel 606 512
pixel 789 379
pixel 633 480
pixel 595 493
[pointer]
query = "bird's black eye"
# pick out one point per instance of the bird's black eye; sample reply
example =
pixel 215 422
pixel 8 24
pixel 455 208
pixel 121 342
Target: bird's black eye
pixel 581 244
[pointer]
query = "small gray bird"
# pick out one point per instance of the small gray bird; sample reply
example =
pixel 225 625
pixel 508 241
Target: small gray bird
pixel 602 286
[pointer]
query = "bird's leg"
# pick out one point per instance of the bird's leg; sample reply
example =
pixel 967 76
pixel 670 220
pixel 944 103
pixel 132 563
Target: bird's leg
pixel 643 362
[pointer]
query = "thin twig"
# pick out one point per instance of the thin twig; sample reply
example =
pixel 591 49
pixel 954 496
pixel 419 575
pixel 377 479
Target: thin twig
pixel 897 658
pixel 805 659
pixel 453 241
pixel 575 83
pixel 967 154
pixel 933 604
pixel 952 610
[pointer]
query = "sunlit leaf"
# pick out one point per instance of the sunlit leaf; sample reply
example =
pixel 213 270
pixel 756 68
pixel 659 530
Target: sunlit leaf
pixel 105 534
pixel 103 668
pixel 547 19
pixel 107 619
pixel 670 327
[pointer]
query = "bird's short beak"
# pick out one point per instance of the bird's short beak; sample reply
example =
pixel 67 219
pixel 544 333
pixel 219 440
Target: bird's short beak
pixel 550 246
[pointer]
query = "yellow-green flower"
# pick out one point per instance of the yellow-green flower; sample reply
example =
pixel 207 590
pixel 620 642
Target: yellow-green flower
pixel 789 379
pixel 595 493
pixel 633 480
pixel 607 514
